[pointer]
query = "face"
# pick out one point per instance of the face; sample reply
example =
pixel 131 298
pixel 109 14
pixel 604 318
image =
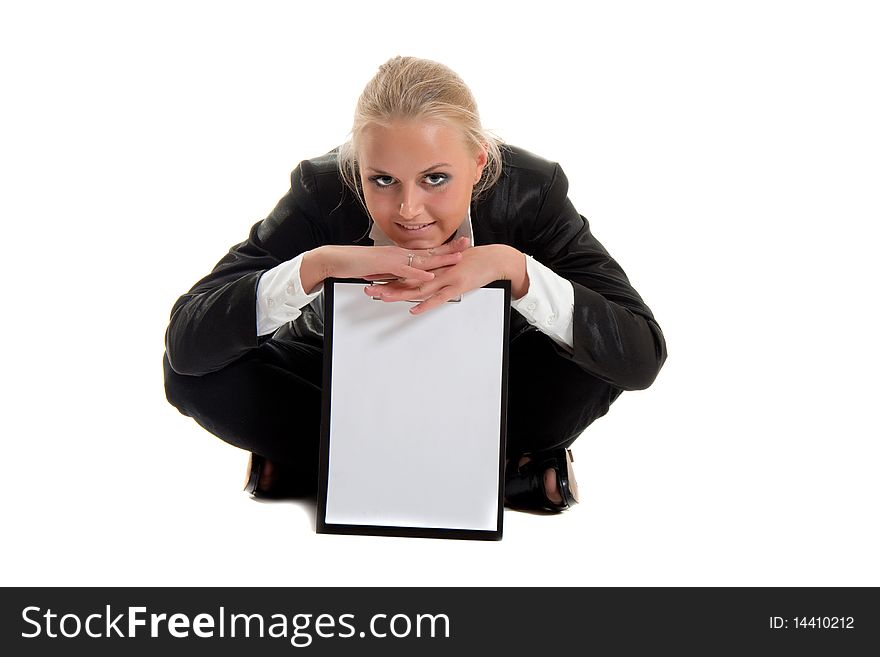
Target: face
pixel 417 178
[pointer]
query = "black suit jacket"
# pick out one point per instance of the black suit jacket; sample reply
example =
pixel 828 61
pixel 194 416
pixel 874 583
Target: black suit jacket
pixel 615 335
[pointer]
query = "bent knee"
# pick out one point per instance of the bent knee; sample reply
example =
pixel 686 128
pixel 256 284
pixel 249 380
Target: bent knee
pixel 176 387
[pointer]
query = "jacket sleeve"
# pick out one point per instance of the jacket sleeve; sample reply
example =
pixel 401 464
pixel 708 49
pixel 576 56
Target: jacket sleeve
pixel 616 337
pixel 215 323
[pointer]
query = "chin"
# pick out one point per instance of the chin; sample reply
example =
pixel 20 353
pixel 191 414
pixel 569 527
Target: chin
pixel 419 243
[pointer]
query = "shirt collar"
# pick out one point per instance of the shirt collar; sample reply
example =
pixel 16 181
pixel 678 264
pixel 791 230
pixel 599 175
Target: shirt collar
pixel 466 229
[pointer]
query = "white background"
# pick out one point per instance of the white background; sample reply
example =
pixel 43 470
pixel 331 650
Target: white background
pixel 726 154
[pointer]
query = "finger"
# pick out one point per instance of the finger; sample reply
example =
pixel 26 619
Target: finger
pixel 406 283
pixel 415 273
pixel 398 292
pixel 399 284
pixel 394 285
pixel 431 262
pixel 456 245
pixel 446 294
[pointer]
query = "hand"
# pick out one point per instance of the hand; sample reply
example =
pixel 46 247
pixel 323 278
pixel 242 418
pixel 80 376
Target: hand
pixel 478 266
pixel 377 263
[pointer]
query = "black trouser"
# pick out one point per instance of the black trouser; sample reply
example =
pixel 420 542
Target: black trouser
pixel 269 401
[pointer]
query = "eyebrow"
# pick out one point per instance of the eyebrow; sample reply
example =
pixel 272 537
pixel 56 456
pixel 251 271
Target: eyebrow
pixel 434 166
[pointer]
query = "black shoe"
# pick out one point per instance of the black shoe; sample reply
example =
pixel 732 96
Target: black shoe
pixel 524 484
pixel 286 482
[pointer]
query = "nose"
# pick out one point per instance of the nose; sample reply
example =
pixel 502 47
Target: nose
pixel 411 205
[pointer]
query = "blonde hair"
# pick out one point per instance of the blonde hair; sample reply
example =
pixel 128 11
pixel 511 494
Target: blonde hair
pixel 410 88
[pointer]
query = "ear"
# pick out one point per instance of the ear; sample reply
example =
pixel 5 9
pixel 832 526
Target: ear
pixel 482 158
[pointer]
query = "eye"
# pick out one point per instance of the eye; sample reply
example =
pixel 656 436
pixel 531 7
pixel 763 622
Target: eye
pixel 440 179
pixel 379 181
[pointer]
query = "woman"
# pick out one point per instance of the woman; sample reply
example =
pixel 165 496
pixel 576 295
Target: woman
pixel 421 194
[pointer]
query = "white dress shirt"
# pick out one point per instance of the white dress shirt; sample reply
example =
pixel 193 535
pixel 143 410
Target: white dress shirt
pixel 548 305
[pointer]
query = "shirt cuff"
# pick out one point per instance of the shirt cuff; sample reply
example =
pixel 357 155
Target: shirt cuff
pixel 549 303
pixel 280 296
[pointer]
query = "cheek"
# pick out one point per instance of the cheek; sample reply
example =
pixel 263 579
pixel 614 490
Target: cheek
pixel 378 205
pixel 452 204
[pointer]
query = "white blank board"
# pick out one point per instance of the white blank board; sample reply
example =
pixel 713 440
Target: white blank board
pixel 415 412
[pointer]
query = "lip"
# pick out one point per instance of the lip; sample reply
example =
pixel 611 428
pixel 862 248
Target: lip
pixel 414 231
